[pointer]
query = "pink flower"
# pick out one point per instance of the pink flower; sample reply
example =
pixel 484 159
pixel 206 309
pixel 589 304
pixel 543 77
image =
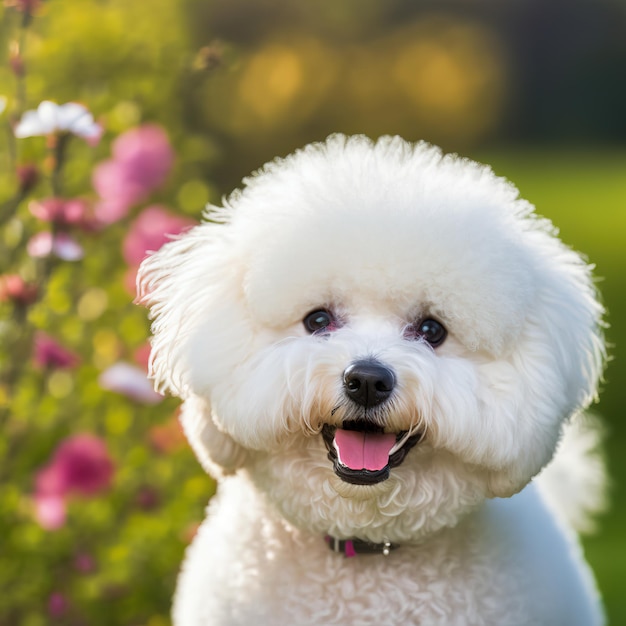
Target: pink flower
pixel 57 604
pixel 117 189
pixel 13 288
pixel 84 563
pixel 148 233
pixel 80 465
pixel 27 176
pixel 142 159
pixel 48 353
pixel 130 381
pixel 65 212
pixel 23 6
pixel 147 498
pixel 50 511
pixel 61 245
pixel 152 228
pixel 147 153
pixel 142 355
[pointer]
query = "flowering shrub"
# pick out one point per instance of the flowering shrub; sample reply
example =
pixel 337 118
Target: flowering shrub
pixel 103 493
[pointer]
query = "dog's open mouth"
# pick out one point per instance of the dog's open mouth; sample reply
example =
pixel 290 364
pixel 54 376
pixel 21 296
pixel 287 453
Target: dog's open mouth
pixel 362 453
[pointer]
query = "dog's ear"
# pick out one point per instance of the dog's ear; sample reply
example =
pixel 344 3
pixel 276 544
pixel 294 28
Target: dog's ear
pixel 185 285
pixel 560 356
pixel 191 284
pixel 568 316
pixel 218 453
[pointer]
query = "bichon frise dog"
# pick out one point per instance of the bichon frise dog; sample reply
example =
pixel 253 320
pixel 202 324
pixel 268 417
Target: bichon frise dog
pixel 378 348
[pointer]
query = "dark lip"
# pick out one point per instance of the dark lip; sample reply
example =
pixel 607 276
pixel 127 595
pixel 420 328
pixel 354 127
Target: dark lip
pixel 363 476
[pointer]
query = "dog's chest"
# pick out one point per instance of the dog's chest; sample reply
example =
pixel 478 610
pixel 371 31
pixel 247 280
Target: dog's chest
pixel 241 573
pixel 407 588
pixel 506 564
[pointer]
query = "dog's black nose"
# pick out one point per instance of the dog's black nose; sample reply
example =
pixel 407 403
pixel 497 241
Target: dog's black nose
pixel 368 382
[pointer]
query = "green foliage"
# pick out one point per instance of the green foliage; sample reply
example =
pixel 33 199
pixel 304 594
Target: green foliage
pixel 115 559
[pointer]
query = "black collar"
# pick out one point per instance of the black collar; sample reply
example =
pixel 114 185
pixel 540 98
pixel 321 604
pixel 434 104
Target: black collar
pixel 352 547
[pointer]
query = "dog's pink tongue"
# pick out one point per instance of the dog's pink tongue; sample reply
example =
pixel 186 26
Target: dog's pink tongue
pixel 358 450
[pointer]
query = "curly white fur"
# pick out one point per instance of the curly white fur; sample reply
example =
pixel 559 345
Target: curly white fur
pixel 383 234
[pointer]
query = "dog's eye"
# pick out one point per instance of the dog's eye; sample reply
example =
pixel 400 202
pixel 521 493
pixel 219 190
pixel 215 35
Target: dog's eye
pixel 430 330
pixel 320 319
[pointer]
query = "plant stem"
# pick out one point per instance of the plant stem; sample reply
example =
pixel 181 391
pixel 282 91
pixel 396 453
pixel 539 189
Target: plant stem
pixel 58 152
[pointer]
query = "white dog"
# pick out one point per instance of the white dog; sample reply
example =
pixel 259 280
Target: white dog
pixel 378 348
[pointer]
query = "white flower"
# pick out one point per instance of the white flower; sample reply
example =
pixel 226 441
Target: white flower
pixel 130 381
pixel 60 245
pixel 51 118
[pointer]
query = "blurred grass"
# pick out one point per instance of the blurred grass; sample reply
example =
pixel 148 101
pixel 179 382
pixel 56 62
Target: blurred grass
pixel 584 193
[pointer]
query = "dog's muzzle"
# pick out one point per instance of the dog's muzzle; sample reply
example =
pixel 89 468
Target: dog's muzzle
pixel 361 451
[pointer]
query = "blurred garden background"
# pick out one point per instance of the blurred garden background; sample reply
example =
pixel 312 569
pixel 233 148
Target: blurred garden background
pixel 151 110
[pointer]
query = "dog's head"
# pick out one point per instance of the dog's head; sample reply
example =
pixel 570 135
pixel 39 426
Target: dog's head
pixel 380 335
